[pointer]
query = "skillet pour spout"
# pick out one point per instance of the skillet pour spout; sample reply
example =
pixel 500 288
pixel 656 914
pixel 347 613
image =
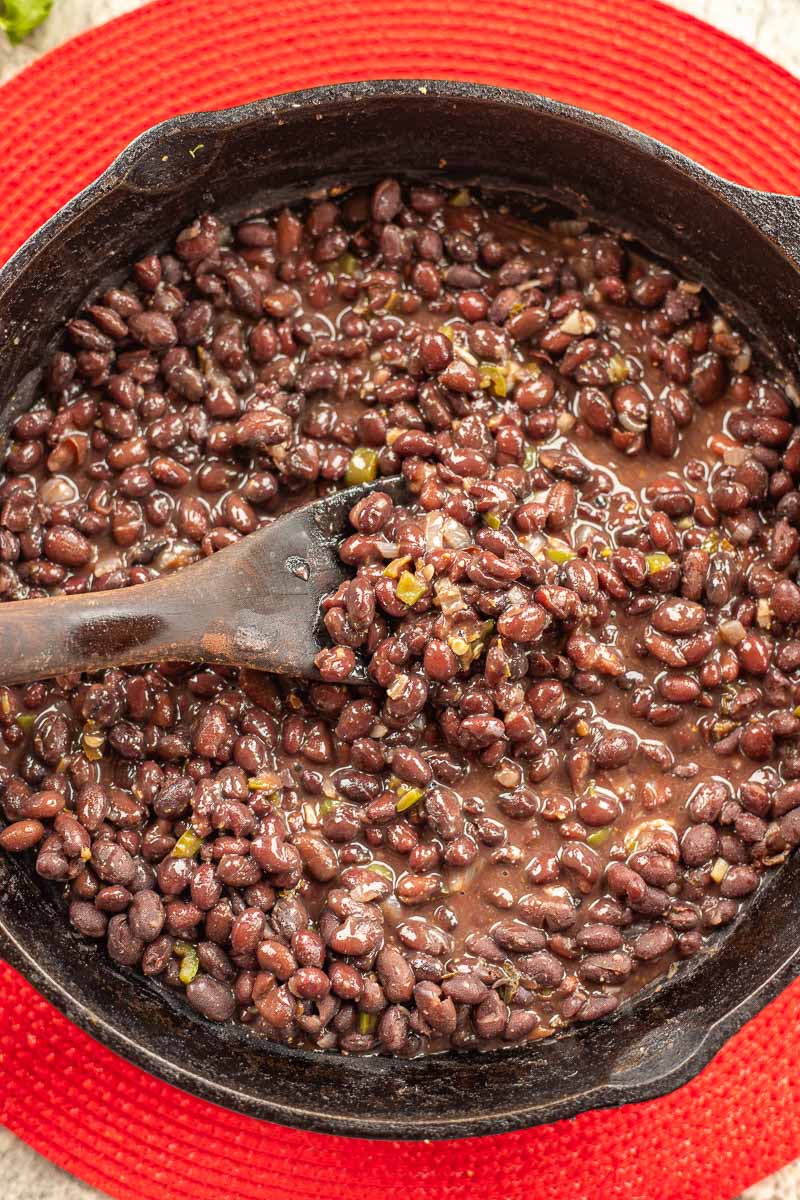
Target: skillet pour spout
pixel 744 244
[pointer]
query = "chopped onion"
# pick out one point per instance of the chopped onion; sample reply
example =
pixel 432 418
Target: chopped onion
pixel 517 595
pixel 310 816
pixel 578 322
pixel 434 523
pixel 459 881
pixel 764 613
pixel 569 228
pixel 734 456
pixel 465 355
pixel 387 549
pixel 110 561
pixel 397 686
pixel 732 632
pixel 743 359
pixel 58 490
pixel 454 535
pixel 507 774
pixel 449 596
pixel 644 829
pixel 532 542
pixel 176 555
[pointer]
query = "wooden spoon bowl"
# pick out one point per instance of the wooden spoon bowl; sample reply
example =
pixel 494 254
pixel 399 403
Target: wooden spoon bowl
pixel 254 604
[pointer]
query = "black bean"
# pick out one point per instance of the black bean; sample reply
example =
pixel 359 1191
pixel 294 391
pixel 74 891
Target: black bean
pixel 213 999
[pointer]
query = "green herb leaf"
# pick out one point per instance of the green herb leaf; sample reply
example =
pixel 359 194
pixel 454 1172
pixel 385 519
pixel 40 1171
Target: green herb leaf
pixel 18 18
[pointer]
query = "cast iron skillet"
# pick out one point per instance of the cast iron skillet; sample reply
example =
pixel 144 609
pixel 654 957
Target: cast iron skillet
pixel 744 244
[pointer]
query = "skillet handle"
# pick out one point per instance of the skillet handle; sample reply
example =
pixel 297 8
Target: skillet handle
pixel 776 215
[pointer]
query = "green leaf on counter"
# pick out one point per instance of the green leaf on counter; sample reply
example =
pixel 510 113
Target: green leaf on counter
pixel 18 18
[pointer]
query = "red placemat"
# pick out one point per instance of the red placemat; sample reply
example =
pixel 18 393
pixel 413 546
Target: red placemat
pixel 61 121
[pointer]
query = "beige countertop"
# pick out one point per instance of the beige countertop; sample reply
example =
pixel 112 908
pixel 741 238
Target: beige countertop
pixel 773 26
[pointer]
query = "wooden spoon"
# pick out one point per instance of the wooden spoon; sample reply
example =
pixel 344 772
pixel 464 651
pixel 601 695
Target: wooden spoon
pixel 254 604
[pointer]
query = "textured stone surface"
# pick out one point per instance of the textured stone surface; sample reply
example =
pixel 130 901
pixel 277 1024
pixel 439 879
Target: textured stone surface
pixel 771 25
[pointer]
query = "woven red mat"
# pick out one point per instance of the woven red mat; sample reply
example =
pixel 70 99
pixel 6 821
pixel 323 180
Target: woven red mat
pixel 61 122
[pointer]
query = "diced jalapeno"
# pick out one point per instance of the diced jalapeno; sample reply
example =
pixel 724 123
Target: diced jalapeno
pixel 363 466
pixel 367 1022
pixel 559 554
pixel 187 844
pixel 493 377
pixel 410 588
pixel 409 798
pixel 190 963
pixel 617 369
pixel 657 562
pixel 347 263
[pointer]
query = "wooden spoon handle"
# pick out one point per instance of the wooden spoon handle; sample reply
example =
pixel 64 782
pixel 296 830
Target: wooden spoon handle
pixel 253 604
pixel 61 634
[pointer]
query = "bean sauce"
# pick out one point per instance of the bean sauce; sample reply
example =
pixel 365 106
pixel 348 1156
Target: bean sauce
pixel 577 753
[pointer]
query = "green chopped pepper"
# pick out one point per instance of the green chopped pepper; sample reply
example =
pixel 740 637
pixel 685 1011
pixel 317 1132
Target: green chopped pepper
pixel 559 554
pixel 187 844
pixel 410 588
pixel 493 377
pixel 190 963
pixel 617 369
pixel 657 562
pixel 531 458
pixel 347 263
pixel 408 798
pixel 363 466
